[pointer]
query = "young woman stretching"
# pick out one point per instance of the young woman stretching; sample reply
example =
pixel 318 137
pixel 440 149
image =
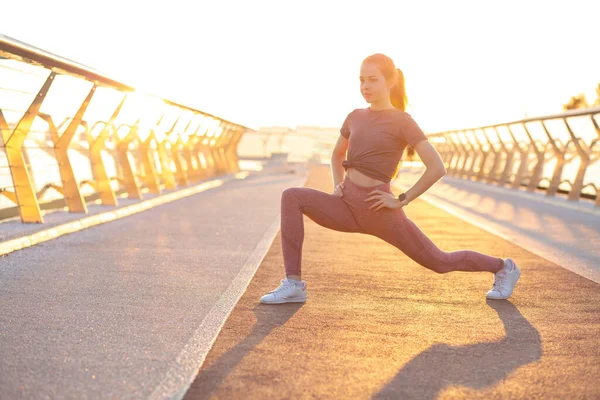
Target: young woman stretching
pixel 375 138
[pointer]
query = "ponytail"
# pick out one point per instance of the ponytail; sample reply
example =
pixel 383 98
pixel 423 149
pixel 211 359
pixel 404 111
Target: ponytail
pixel 398 92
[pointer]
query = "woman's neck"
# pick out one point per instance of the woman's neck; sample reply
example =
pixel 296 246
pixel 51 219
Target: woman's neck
pixel 380 106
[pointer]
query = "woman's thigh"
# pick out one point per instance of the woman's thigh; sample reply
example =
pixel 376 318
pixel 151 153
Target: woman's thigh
pixel 394 227
pixel 327 210
pixel 401 232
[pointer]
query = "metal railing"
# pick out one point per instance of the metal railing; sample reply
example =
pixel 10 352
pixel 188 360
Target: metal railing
pixel 554 153
pixel 68 131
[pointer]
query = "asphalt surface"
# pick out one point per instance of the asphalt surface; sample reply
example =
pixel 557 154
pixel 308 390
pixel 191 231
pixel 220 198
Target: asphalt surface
pixel 129 308
pixel 165 304
pixel 378 325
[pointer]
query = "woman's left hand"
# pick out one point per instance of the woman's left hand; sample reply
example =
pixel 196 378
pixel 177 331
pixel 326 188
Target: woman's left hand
pixel 384 199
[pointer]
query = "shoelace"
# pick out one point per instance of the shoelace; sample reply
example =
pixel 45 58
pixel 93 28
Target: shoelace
pixel 499 281
pixel 284 285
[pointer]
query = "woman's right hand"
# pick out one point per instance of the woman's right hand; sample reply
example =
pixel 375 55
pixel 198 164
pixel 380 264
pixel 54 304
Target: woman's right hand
pixel 339 189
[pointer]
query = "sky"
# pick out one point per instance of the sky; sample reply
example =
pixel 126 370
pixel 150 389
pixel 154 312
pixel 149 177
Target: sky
pixel 265 63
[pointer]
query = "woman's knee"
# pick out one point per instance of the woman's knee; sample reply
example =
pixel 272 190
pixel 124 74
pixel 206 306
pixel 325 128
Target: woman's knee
pixel 291 193
pixel 440 268
pixel 439 265
pixel 295 192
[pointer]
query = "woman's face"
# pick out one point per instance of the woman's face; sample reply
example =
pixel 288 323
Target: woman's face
pixel 373 86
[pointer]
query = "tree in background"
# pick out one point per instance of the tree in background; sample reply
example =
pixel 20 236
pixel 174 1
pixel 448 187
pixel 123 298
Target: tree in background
pixel 579 101
pixel 576 102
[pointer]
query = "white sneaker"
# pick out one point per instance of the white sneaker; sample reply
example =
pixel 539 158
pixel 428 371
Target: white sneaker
pixel 504 281
pixel 287 292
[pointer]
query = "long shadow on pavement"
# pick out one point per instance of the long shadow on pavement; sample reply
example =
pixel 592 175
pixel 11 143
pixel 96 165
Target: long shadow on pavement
pixel 267 319
pixel 476 366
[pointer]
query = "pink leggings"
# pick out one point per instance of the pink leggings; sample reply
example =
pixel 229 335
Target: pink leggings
pixel 350 213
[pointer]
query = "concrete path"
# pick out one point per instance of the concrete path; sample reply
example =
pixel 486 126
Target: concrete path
pixel 165 304
pixel 377 325
pixel 128 309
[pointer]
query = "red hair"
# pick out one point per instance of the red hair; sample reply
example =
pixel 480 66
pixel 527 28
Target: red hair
pixel 391 74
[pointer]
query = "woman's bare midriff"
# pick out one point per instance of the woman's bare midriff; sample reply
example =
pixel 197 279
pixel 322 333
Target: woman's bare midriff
pixel 361 179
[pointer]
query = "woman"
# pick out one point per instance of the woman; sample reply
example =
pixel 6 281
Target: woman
pixel 375 138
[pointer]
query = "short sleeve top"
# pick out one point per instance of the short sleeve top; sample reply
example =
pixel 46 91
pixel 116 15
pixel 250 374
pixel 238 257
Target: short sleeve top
pixel 377 140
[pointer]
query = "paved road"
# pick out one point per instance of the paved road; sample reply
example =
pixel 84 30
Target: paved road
pixel 129 308
pixel 378 325
pixel 137 307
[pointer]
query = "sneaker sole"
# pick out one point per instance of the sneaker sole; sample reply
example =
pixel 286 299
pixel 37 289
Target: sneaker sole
pixel 506 297
pixel 292 300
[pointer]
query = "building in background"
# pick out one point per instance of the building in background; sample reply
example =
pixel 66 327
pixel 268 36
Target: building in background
pixel 303 143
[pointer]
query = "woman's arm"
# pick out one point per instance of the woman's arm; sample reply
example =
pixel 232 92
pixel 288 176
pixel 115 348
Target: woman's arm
pixel 434 169
pixel 337 156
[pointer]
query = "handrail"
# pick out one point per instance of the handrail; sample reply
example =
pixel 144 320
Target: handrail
pixel 520 159
pixel 567 114
pixel 508 153
pixel 197 145
pixel 35 55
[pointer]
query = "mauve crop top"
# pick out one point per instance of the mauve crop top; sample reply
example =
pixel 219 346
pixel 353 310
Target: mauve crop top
pixel 377 140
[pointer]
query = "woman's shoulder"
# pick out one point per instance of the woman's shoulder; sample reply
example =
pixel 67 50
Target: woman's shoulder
pixel 395 113
pixel 403 116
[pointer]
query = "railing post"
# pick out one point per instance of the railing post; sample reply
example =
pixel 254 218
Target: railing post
pixel 509 160
pixel 70 186
pixel 465 153
pixel 25 194
pixel 214 151
pixel 202 149
pixel 560 163
pixel 129 178
pixel 584 157
pixel 523 158
pixel 539 165
pixel 180 171
pixel 484 155
pixel 165 163
pixel 472 155
pixel 491 178
pixel 449 151
pixel 200 172
pixel 454 171
pixel 101 178
pixel 180 177
pixel 190 171
pixel 232 149
pixel 150 175
pixel 226 138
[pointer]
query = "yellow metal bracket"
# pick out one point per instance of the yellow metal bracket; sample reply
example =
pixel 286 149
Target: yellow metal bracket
pixel 70 188
pixel 129 179
pixel 150 177
pixel 8 194
pixel 29 208
pixel 165 163
pixel 101 179
pixel 180 175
